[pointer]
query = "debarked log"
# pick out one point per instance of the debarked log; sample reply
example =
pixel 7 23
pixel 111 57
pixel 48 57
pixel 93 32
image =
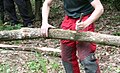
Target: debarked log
pixel 34 33
pixel 47 50
pixel 28 48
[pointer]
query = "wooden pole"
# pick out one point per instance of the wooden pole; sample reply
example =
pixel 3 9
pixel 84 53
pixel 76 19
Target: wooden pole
pixel 34 33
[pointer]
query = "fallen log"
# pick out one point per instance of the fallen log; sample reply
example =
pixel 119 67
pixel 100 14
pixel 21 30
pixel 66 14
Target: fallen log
pixel 42 50
pixel 30 48
pixel 34 33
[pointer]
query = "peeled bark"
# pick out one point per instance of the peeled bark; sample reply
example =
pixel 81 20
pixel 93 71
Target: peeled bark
pixel 34 33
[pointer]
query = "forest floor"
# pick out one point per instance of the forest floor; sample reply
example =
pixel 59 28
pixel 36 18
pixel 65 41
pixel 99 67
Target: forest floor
pixel 45 62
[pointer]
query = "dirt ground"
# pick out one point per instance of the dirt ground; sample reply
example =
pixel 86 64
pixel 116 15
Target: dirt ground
pixel 109 56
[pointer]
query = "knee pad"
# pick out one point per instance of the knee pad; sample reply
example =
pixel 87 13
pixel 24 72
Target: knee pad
pixel 89 63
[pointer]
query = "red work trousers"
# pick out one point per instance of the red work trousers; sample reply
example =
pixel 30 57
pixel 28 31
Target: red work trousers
pixel 70 48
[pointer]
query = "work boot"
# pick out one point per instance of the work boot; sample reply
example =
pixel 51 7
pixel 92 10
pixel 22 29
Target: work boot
pixel 29 25
pixel 90 64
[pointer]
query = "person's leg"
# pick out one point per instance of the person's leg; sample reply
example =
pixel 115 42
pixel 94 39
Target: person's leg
pixel 1 12
pixel 24 12
pixel 87 57
pixel 86 53
pixel 9 7
pixel 69 58
pixel 68 54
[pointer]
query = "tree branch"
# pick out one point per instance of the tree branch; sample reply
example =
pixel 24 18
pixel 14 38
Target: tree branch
pixel 34 33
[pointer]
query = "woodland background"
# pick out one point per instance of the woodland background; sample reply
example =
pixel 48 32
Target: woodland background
pixel 12 61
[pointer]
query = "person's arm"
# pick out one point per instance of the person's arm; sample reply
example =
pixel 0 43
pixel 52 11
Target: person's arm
pixel 45 10
pixel 94 16
pixel 96 13
pixel 45 14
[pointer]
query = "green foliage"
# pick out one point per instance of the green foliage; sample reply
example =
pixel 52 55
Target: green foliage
pixel 55 65
pixel 1 22
pixel 118 70
pixel 17 42
pixel 33 4
pixel 55 54
pixel 55 9
pixel 41 64
pixel 9 27
pixel 38 55
pixel 4 68
pixel 35 66
pixel 116 33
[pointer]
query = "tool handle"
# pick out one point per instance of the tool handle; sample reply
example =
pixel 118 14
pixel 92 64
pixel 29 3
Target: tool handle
pixel 81 15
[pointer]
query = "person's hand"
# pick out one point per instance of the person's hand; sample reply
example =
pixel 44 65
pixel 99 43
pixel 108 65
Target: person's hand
pixel 80 25
pixel 44 29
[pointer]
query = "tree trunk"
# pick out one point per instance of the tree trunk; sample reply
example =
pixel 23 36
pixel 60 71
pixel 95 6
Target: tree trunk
pixel 1 13
pixel 29 6
pixel 34 33
pixel 38 5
